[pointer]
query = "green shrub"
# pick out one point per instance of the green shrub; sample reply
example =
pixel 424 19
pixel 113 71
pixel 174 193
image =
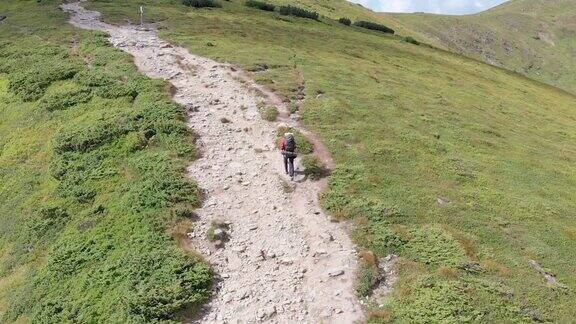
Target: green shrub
pixel 260 5
pixel 94 78
pixel 93 131
pixel 161 184
pixel 269 113
pixel 7 65
pixel 373 26
pixel 368 274
pixel 313 167
pixel 345 21
pixel 29 83
pixel 117 90
pixel 76 189
pixel 433 300
pixel 411 40
pixel 49 220
pixel 180 285
pixel 298 12
pixel 201 3
pixel 433 245
pixel 106 84
pixel 33 66
pixel 65 99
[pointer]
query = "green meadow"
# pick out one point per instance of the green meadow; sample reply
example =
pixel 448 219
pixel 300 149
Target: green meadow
pixel 92 188
pixel 409 127
pixel 465 171
pixel 536 38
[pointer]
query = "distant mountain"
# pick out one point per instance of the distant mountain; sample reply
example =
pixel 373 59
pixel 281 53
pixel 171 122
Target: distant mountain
pixel 536 38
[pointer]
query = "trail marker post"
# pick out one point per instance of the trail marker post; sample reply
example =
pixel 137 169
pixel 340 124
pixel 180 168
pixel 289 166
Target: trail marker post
pixel 141 17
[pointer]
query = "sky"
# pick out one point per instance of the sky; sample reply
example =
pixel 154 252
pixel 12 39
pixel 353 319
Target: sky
pixel 448 7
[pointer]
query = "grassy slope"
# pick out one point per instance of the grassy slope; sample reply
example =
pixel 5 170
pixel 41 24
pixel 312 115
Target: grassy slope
pixel 91 177
pixel 406 125
pixel 534 37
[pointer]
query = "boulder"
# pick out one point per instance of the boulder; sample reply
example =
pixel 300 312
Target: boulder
pixel 326 312
pixel 219 234
pixel 335 272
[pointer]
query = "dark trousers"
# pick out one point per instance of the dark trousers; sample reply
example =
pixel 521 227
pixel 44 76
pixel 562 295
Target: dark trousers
pixel 289 165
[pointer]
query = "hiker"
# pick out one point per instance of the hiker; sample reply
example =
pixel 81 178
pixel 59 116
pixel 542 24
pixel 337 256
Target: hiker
pixel 288 148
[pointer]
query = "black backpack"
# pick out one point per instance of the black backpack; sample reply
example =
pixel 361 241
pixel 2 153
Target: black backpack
pixel 290 144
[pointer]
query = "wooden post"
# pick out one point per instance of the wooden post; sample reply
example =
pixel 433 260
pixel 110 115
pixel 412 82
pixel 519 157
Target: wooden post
pixel 141 17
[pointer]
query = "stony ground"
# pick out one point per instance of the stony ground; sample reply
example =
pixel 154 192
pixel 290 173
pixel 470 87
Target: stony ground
pixel 278 257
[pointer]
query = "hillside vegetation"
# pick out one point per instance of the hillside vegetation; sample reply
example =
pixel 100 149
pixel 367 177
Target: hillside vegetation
pixel 464 170
pixel 536 38
pixel 91 180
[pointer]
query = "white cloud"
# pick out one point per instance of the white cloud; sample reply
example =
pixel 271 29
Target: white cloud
pixel 453 7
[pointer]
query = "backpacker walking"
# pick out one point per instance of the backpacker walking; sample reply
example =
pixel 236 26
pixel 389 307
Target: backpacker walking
pixel 288 148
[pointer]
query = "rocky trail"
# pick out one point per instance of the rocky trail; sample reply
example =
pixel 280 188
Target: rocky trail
pixel 277 256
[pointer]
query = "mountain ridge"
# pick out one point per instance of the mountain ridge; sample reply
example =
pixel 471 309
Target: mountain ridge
pixel 535 38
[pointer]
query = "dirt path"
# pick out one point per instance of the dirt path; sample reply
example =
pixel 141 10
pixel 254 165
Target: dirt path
pixel 284 261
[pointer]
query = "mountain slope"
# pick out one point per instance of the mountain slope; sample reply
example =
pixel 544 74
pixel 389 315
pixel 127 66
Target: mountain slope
pixel 464 170
pixel 410 128
pixel 536 38
pixel 91 180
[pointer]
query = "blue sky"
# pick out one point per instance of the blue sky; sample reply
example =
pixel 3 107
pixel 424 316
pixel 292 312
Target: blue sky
pixel 449 7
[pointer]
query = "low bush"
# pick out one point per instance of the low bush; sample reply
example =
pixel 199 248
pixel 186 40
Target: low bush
pixel 161 184
pixel 30 82
pixel 49 220
pixel 368 274
pixel 313 167
pixel 374 26
pixel 201 3
pixel 298 12
pixel 112 169
pixel 92 131
pixel 77 190
pixel 117 90
pixel 269 113
pixel 106 84
pixel 64 99
pixel 411 40
pixel 260 5
pixel 345 21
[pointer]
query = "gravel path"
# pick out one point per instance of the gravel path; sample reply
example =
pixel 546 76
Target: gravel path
pixel 283 260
